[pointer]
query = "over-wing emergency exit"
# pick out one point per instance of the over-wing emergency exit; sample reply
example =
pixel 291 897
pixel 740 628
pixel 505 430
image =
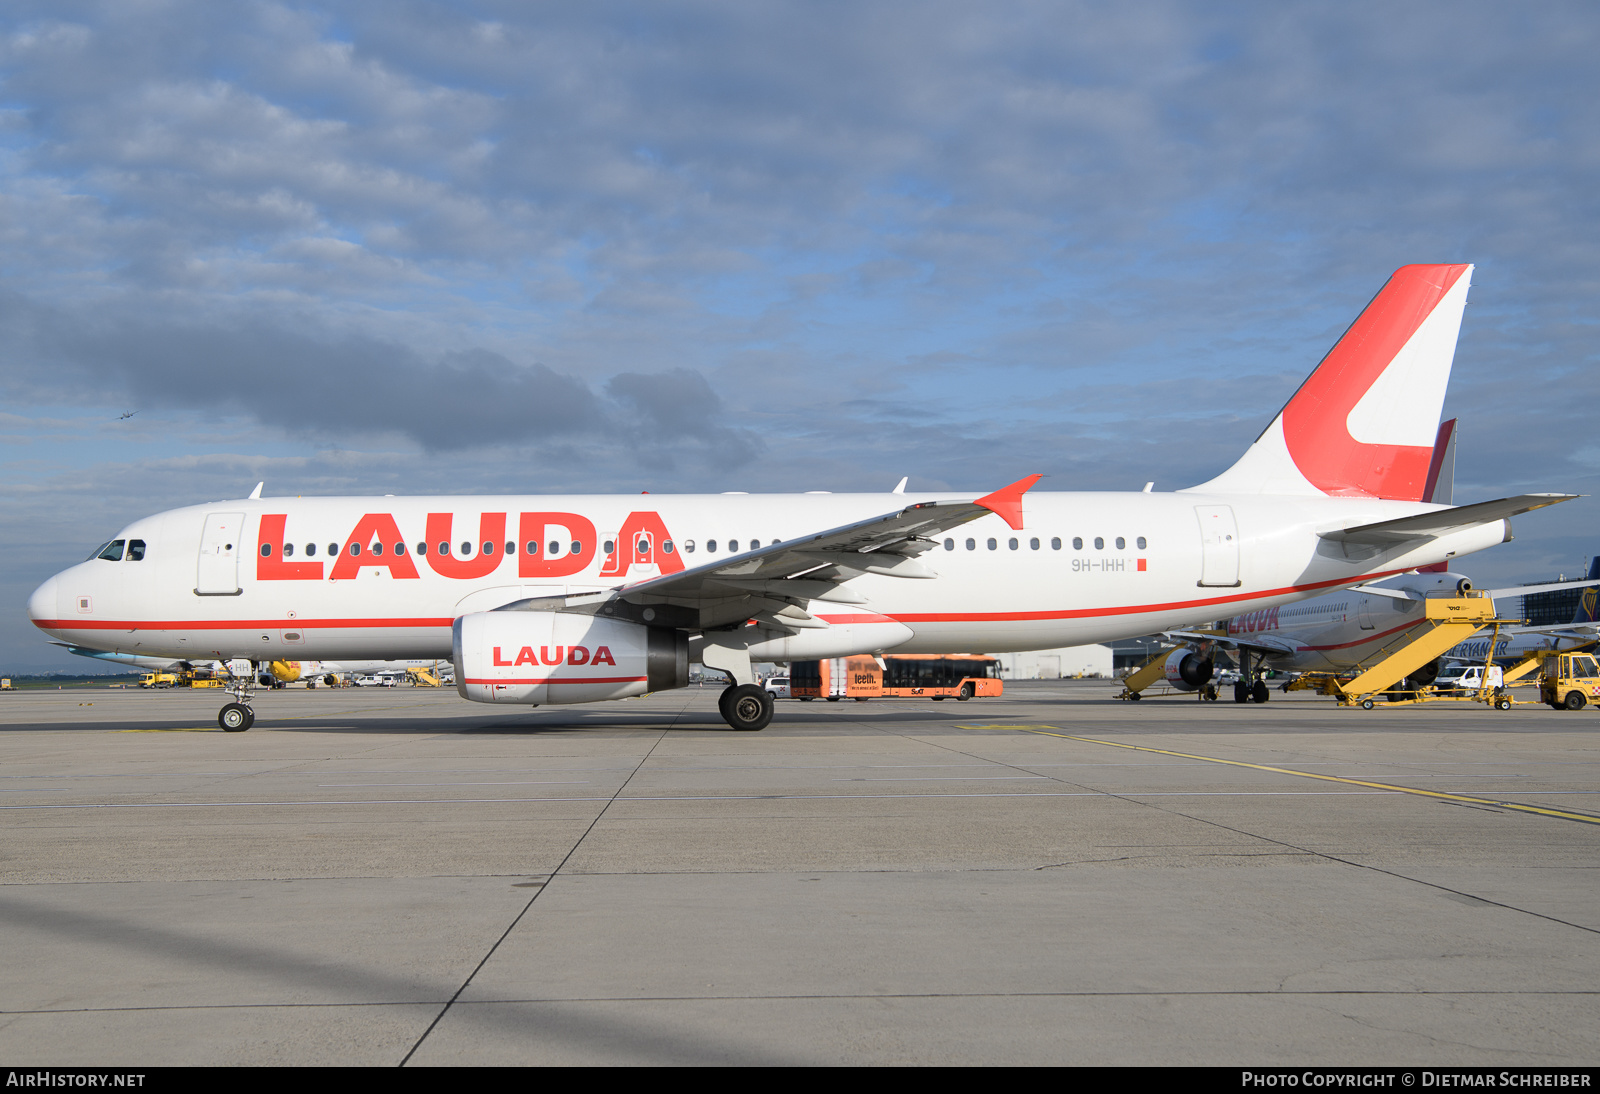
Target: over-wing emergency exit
pixel 573 599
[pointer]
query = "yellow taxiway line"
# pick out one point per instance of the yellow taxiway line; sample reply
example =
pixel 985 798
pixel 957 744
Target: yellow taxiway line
pixel 1053 731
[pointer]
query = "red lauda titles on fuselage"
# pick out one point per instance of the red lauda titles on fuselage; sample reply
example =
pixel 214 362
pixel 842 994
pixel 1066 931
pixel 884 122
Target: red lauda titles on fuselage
pixel 376 542
pixel 1264 620
pixel 564 655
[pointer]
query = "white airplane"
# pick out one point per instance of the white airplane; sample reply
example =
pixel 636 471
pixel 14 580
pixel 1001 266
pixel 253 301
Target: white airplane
pixel 1354 628
pixel 575 599
pixel 267 674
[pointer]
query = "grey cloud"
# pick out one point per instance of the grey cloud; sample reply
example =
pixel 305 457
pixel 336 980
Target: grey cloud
pixel 329 386
pixel 669 410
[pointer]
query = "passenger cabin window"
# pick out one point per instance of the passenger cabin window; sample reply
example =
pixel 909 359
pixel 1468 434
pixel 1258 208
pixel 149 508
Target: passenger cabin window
pixel 972 545
pixel 688 546
pixel 733 545
pixel 488 547
pixel 333 548
pixel 422 547
pixel 1033 544
pixel 1121 543
pixel 399 548
pixel 1099 543
pixel 1055 543
pixel 1077 543
pixel 1140 542
pixel 511 547
pixel 949 545
pixel 577 547
pixel 266 551
pixel 355 548
pixel 377 548
pixel 288 550
pixel 992 544
pixel 711 545
pixel 532 547
pixel 466 549
pixel 666 545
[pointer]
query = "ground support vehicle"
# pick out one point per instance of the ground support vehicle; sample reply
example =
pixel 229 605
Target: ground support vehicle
pixel 904 676
pixel 1570 681
pixel 158 680
pixel 1162 666
pixel 1452 620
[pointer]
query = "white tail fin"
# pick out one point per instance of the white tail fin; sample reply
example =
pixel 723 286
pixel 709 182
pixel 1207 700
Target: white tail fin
pixel 1363 424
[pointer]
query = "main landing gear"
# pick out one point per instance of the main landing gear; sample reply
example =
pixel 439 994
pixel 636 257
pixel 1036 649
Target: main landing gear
pixel 746 706
pixel 1250 688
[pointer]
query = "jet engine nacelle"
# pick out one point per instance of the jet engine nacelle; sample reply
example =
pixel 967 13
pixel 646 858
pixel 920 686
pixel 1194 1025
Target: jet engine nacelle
pixel 554 658
pixel 279 672
pixel 1187 670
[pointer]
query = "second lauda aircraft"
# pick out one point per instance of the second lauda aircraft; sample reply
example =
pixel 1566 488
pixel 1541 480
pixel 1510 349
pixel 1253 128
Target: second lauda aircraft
pixel 575 599
pixel 1344 632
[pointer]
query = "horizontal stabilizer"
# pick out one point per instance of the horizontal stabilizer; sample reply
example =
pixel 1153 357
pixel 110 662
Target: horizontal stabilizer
pixel 1386 533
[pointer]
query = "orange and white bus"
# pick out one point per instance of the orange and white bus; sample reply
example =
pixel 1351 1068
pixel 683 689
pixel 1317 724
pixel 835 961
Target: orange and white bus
pixel 903 676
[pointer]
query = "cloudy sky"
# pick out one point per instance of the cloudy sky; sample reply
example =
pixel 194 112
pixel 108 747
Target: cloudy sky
pixel 480 247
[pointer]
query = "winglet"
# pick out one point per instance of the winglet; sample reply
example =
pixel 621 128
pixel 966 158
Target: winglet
pixel 1006 502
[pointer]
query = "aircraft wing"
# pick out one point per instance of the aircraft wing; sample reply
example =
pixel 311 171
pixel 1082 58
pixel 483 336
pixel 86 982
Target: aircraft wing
pixel 774 583
pixel 1261 643
pixel 1387 533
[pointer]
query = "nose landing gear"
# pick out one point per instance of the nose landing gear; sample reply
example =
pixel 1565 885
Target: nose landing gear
pixel 237 716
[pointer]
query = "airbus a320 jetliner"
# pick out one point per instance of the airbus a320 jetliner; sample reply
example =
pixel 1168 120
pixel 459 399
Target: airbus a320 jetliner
pixel 1351 630
pixel 574 599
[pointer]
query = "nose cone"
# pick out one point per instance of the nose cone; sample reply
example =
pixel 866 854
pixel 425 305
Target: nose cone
pixel 42 607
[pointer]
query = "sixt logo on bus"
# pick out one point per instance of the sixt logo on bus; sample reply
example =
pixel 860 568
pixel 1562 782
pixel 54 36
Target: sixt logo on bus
pixel 547 545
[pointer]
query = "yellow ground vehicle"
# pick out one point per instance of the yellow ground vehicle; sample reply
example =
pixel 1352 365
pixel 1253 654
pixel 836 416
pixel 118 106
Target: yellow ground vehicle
pixel 422 677
pixel 158 680
pixel 1570 681
pixel 5 685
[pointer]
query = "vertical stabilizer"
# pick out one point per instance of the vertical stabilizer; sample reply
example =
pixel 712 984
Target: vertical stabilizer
pixel 1363 424
pixel 1590 600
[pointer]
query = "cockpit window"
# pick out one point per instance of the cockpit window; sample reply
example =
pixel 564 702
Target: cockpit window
pixel 112 552
pixel 96 552
pixel 136 550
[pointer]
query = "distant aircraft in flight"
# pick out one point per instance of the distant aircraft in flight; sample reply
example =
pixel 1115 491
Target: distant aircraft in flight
pixel 552 600
pixel 125 417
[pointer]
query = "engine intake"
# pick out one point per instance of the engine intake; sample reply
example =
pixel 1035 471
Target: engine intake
pixel 1187 671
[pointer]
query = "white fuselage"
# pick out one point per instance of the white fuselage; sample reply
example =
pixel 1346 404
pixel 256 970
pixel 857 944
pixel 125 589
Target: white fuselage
pixel 203 588
pixel 1349 629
